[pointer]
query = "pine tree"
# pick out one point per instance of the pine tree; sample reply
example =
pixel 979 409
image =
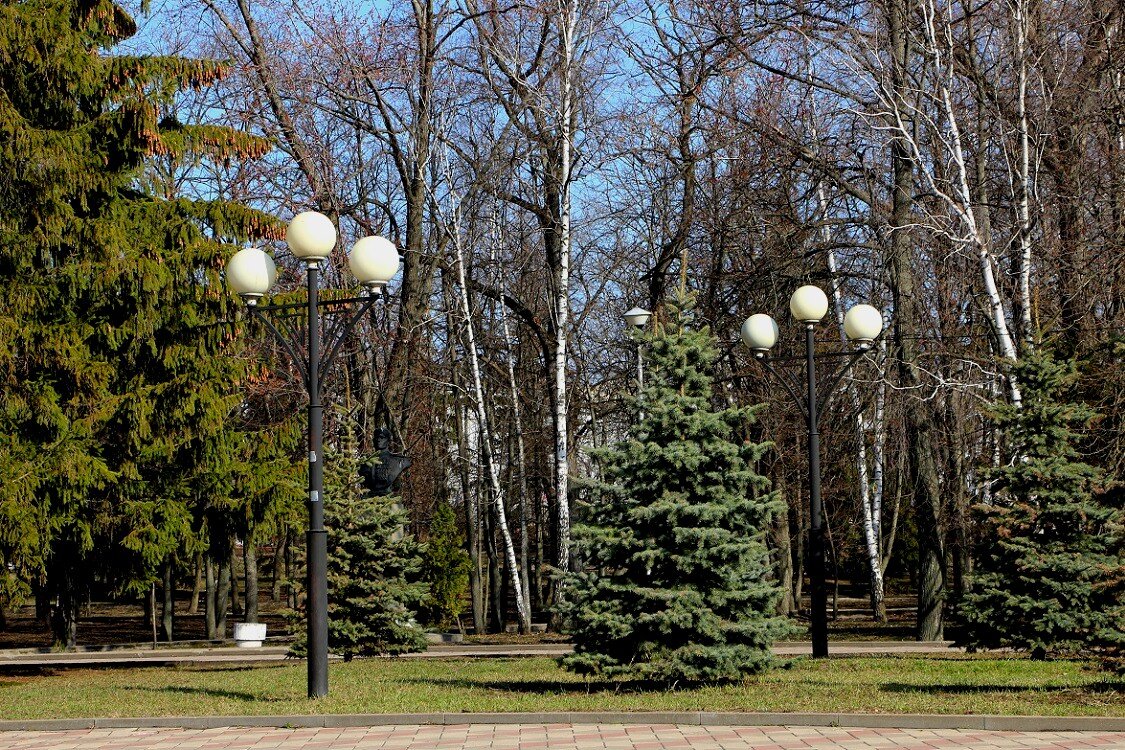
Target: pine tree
pixel 114 364
pixel 1050 578
pixel 446 568
pixel 675 584
pixel 375 586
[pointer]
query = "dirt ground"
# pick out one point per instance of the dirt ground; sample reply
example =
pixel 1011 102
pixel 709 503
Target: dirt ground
pixel 124 622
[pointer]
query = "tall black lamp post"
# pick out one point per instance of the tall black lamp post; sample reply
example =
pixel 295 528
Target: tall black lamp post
pixel 862 324
pixel 251 272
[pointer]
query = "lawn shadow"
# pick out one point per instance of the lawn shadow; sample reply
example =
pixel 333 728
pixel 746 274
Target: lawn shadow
pixel 17 670
pixel 1103 686
pixel 207 668
pixel 539 687
pixel 520 686
pixel 209 692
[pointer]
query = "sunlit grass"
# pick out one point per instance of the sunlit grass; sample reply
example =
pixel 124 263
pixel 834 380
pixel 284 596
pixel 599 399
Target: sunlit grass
pixel 870 685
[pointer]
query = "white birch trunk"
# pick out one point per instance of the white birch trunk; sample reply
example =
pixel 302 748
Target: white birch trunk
pixel 521 456
pixel 1023 193
pixel 961 202
pixel 568 20
pixel 492 470
pixel 870 496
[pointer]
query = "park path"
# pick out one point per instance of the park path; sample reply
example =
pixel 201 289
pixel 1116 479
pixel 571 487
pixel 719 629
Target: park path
pixel 557 737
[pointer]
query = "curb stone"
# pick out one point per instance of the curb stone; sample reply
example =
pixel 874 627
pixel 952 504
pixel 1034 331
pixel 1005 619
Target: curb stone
pixel 705 718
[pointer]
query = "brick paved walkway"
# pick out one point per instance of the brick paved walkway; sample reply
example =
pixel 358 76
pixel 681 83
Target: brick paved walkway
pixel 556 737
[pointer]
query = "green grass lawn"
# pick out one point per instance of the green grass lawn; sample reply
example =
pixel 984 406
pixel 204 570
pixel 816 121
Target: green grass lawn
pixel 872 685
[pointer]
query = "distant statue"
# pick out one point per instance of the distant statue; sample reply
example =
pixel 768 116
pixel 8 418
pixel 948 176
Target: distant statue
pixel 379 477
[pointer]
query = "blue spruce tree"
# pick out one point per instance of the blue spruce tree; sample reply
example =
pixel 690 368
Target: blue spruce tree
pixel 1050 577
pixel 675 582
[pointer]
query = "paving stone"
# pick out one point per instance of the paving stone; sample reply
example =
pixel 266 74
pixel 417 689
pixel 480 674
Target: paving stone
pixel 555 736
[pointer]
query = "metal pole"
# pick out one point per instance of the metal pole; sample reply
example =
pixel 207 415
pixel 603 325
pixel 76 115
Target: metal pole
pixel 316 604
pixel 816 511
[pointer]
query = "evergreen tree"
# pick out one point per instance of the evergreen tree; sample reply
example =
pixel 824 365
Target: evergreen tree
pixel 1050 577
pixel 676 581
pixel 114 364
pixel 375 587
pixel 446 568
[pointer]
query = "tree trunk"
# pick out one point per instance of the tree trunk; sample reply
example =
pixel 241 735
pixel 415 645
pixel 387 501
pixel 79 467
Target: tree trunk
pixel 168 601
pixel 290 566
pixel 495 581
pixel 562 178
pixel 148 604
pixel 784 562
pixel 197 585
pixel 64 617
pixel 278 568
pixel 798 547
pixel 210 616
pixel 235 607
pixel 521 465
pixel 1022 177
pixel 222 597
pixel 907 326
pixel 42 603
pixel 487 446
pixel 250 563
pixel 150 597
pixel 472 526
pixel 870 494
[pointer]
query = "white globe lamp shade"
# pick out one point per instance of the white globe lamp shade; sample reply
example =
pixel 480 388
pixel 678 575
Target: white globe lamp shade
pixel 250 273
pixel 374 261
pixel 759 333
pixel 809 304
pixel 863 323
pixel 311 236
pixel 637 317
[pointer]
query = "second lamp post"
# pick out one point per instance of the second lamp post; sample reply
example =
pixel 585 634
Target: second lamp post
pixel 862 324
pixel 638 318
pixel 251 272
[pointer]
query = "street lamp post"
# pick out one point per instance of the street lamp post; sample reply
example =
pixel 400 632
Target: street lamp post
pixel 862 324
pixel 251 272
pixel 638 318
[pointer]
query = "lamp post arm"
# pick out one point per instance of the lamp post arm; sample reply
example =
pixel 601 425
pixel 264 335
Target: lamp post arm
pixel 790 386
pixel 339 332
pixel 286 340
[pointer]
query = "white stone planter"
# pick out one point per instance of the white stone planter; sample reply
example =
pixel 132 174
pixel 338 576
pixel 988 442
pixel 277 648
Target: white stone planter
pixel 249 634
pixel 445 638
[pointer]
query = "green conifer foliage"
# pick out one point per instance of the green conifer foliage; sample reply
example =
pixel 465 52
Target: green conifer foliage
pixel 1050 577
pixel 375 586
pixel 115 368
pixel 675 582
pixel 446 568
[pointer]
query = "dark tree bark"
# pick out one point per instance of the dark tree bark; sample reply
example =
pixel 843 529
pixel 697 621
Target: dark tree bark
pixel 782 548
pixel 197 585
pixel 278 568
pixel 235 604
pixel 168 600
pixel 210 616
pixel 64 614
pixel 250 563
pixel 495 578
pixel 222 596
pixel 921 460
pixel 42 603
